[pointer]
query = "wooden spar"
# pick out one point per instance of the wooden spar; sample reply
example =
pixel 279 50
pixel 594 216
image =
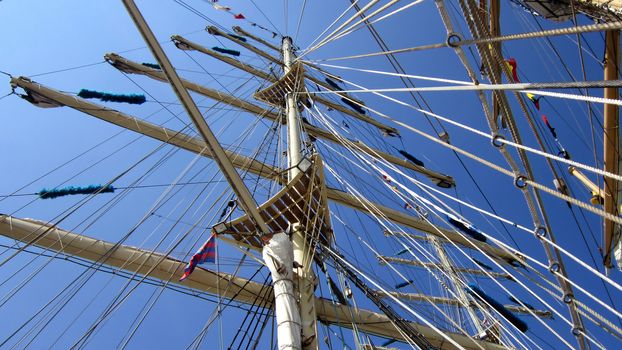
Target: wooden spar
pixel 363 204
pixel 128 66
pixel 611 142
pixel 495 30
pixel 242 32
pixel 165 268
pixel 198 146
pixel 173 137
pixel 455 302
pixel 389 259
pixel 185 44
pixel 597 193
pixel 215 31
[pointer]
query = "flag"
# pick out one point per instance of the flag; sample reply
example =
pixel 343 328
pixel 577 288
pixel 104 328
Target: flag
pixel 207 253
pixel 551 129
pixel 512 66
pixel 536 101
pixel 239 16
pixel 222 8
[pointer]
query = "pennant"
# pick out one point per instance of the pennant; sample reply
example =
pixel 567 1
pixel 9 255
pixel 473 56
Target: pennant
pixel 512 66
pixel 207 253
pixel 239 16
pixel 536 101
pixel 551 129
pixel 221 8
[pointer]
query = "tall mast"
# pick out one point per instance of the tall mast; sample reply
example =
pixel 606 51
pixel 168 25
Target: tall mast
pixel 303 276
pixel 611 142
pixel 456 285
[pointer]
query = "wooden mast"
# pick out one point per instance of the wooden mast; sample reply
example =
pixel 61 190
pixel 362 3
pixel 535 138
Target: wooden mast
pixel 303 276
pixel 611 143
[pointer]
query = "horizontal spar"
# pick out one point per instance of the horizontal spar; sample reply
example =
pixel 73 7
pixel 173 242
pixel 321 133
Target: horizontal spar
pixel 383 260
pixel 131 67
pixel 196 145
pixel 363 204
pixel 185 44
pixel 215 31
pixel 455 302
pixel 126 121
pixel 165 268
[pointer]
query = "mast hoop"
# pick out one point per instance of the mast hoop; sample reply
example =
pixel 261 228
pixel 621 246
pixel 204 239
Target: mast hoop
pixel 496 140
pixel 454 39
pixel 520 181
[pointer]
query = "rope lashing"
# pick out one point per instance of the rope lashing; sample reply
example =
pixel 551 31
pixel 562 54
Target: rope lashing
pixel 403 284
pixel 353 105
pixel 151 65
pixel 226 51
pixel 135 99
pixel 333 84
pixel 483 265
pixel 411 158
pixel 67 191
pixel 467 229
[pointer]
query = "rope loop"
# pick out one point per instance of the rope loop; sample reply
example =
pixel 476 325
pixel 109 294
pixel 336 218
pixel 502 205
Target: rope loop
pixel 577 331
pixel 540 232
pixel 554 267
pixel 496 140
pixel 453 40
pixel 568 298
pixel 520 181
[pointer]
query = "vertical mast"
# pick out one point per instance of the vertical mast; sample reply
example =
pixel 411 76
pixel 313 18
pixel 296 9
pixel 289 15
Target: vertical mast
pixel 457 286
pixel 303 276
pixel 611 143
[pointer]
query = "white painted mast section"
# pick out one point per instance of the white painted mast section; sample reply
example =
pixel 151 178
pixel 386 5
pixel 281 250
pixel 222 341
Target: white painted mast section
pixel 304 275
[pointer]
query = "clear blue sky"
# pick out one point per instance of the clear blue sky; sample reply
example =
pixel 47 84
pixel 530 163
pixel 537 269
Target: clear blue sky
pixel 61 44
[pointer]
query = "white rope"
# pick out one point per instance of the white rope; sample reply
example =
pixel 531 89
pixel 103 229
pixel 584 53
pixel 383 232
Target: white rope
pixel 530 35
pixel 486 272
pixel 358 25
pixel 331 25
pixel 358 13
pixel 561 316
pixel 440 233
pixel 396 74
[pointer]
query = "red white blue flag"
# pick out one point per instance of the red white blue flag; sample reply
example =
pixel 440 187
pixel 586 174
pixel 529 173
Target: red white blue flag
pixel 207 253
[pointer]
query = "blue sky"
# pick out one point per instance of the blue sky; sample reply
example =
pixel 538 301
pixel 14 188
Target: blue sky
pixel 61 44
